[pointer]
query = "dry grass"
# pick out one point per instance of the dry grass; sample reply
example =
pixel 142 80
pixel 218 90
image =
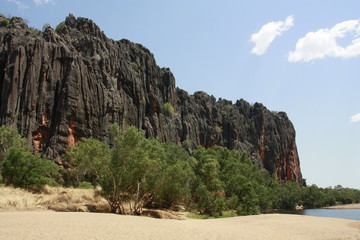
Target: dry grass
pixel 66 200
pixel 52 198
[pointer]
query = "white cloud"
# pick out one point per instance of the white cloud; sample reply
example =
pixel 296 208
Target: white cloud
pixel 355 118
pixel 267 34
pixel 322 43
pixel 40 2
pixel 21 6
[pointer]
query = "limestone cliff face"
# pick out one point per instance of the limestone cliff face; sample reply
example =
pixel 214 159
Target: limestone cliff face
pixel 59 86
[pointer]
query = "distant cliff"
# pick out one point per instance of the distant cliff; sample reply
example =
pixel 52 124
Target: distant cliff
pixel 60 85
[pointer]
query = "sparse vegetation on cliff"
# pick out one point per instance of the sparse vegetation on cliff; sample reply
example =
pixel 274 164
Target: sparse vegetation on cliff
pixel 4 22
pixel 135 66
pixel 60 27
pixel 135 91
pixel 168 109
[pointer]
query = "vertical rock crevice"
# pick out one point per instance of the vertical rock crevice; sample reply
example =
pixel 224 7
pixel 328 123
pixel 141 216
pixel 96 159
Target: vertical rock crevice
pixel 57 87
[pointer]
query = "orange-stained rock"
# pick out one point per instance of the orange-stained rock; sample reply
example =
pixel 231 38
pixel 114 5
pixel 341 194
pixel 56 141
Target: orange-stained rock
pixel 59 87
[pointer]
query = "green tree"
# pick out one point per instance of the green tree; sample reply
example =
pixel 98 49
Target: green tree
pixel 174 183
pixel 9 137
pixel 129 168
pixel 209 194
pixel 60 27
pixel 23 169
pixel 4 22
pixel 90 159
pixel 313 197
pixel 287 195
pixel 244 180
pixel 136 171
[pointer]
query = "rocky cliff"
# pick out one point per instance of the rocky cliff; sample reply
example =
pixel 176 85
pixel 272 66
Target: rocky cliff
pixel 60 85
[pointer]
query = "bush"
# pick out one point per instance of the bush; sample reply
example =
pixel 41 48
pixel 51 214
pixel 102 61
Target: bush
pixel 60 27
pixel 23 169
pixel 218 129
pixel 173 184
pixel 9 137
pixel 85 185
pixel 89 156
pixel 168 109
pixel 4 22
pixel 135 66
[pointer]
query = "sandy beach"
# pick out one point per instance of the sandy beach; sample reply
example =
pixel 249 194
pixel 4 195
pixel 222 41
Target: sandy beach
pixel 69 225
pixel 346 206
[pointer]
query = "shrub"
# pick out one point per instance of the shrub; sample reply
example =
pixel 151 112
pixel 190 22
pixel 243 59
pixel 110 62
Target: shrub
pixel 88 157
pixel 173 184
pixel 23 169
pixel 168 109
pixel 85 185
pixel 60 27
pixel 9 137
pixel 218 129
pixel 135 66
pixel 4 22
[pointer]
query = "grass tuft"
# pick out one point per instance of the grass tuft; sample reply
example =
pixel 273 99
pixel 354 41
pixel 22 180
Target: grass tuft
pixel 225 214
pixel 52 198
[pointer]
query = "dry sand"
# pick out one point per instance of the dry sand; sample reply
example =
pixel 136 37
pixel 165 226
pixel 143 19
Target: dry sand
pixel 346 206
pixel 65 225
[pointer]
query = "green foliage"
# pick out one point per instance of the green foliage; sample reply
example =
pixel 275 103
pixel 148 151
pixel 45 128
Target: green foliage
pixel 23 169
pixel 9 137
pixel 129 168
pixel 136 170
pixel 173 184
pixel 90 158
pixel 218 129
pixel 60 27
pixel 213 182
pixel 250 126
pixel 20 167
pixel 135 67
pixel 229 106
pixel 85 185
pixel 318 197
pixel 313 197
pixel 33 30
pixel 4 22
pixel 168 109
pixel 141 172
pixel 287 195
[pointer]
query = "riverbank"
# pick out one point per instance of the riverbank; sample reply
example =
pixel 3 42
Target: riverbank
pixel 69 225
pixel 346 206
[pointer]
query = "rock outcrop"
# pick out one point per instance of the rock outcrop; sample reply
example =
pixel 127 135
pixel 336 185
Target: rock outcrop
pixel 59 86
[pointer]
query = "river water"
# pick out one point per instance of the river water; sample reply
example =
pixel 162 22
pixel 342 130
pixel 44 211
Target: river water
pixel 352 214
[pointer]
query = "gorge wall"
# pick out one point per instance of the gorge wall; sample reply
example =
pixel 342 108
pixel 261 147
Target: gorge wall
pixel 59 86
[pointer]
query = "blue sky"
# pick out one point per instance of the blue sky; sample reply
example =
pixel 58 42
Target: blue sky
pixel 310 69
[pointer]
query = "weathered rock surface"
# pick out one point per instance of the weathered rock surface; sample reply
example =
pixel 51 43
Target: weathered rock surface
pixel 59 86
